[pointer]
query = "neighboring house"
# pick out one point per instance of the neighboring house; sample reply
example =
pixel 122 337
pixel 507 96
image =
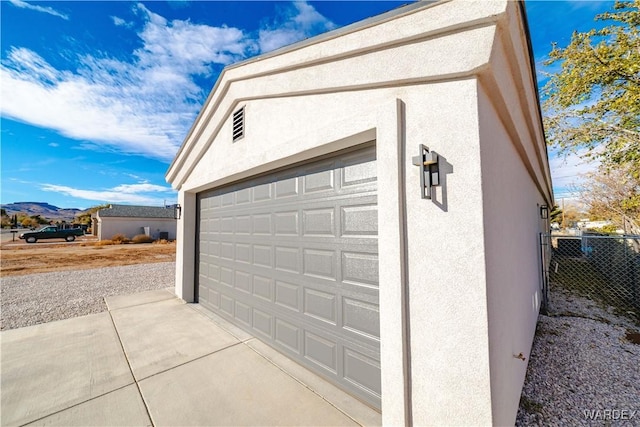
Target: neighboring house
pixel 157 222
pixel 586 223
pixel 304 223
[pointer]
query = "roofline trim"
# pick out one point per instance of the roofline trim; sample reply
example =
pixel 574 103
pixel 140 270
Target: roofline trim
pixel 534 76
pixel 338 32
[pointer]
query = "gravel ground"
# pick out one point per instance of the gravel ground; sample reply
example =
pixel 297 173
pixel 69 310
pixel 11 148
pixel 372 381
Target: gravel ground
pixel 581 361
pixel 583 370
pixel 40 298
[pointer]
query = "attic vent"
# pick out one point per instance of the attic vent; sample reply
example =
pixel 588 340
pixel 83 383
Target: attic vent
pixel 238 124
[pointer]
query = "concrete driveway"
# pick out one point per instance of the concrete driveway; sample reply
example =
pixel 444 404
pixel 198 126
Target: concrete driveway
pixel 154 360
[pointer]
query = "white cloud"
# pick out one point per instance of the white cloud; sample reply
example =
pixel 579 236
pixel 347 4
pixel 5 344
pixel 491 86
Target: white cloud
pixel 143 187
pixel 147 104
pixel 141 193
pixel 54 144
pixel 142 107
pixel 294 23
pixel 49 10
pixel 130 175
pixel 119 22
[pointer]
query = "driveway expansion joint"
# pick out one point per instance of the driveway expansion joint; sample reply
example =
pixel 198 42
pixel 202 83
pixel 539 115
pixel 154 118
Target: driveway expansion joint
pixel 187 362
pixel 144 402
pixel 76 405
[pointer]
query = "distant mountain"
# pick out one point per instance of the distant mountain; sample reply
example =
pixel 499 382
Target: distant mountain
pixel 45 210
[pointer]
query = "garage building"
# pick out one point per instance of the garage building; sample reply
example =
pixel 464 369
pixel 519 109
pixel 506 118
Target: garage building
pixel 368 203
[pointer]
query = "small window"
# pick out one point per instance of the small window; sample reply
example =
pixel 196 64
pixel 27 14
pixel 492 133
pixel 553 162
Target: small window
pixel 238 124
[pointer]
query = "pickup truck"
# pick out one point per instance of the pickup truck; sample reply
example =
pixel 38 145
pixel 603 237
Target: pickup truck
pixel 52 232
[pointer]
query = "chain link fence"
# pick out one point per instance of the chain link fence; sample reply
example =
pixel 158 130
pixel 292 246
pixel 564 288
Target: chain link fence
pixel 601 268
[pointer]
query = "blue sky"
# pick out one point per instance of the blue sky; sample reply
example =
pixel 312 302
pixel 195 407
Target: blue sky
pixel 96 97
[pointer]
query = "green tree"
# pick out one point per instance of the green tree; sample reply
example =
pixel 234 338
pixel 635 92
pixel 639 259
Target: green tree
pixel 592 104
pixel 85 216
pixel 28 222
pixel 6 219
pixel 39 219
pixel 556 214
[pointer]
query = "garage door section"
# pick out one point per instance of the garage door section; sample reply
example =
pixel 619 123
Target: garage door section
pixel 292 257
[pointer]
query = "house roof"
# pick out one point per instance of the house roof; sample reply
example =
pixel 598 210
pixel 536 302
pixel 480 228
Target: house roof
pixel 129 211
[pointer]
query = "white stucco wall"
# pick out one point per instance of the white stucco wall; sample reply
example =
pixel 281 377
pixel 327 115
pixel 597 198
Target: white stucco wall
pixel 511 226
pixel 515 183
pixel 419 78
pixel 130 227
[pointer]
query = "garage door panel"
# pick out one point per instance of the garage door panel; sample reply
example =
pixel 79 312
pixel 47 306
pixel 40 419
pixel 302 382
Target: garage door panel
pixel 361 317
pixel 263 323
pixel 213 225
pixel 226 305
pixel 318 181
pixel 321 351
pixel 288 335
pixel 243 196
pixel 243 281
pixel 261 224
pixel 262 256
pixel 286 223
pixel 214 272
pixel 262 192
pixel 356 172
pixel 286 188
pixel 243 253
pixel 226 276
pixel 292 258
pixel 243 313
pixel 287 259
pixel 319 263
pixel 203 291
pixel 214 248
pixel 319 222
pixel 227 250
pixel 359 220
pixel 243 224
pixel 362 371
pixel 360 268
pixel 321 305
pixel 288 295
pixel 263 287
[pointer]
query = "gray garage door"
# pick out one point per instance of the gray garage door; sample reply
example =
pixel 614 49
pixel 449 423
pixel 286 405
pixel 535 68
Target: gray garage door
pixel 292 257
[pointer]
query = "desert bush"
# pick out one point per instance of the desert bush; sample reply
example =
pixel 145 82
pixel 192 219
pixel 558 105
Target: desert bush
pixel 119 238
pixel 607 229
pixel 161 242
pixel 142 238
pixel 106 243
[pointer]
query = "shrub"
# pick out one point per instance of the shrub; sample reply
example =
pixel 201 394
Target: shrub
pixel 142 238
pixel 607 229
pixel 119 238
pixel 161 242
pixel 105 243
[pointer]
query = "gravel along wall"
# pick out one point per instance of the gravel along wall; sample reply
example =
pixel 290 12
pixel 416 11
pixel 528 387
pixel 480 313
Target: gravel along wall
pixel 40 298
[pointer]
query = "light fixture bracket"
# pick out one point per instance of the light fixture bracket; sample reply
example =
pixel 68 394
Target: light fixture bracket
pixel 429 170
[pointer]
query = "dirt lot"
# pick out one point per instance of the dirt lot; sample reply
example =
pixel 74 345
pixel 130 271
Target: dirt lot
pixel 19 259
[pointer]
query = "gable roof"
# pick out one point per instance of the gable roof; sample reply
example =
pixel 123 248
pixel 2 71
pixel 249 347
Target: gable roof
pixel 319 38
pixel 129 211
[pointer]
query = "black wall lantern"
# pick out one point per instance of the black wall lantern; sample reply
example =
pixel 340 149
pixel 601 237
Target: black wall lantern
pixel 177 211
pixel 544 211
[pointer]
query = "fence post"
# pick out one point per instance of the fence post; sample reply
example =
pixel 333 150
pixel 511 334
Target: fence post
pixel 544 306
